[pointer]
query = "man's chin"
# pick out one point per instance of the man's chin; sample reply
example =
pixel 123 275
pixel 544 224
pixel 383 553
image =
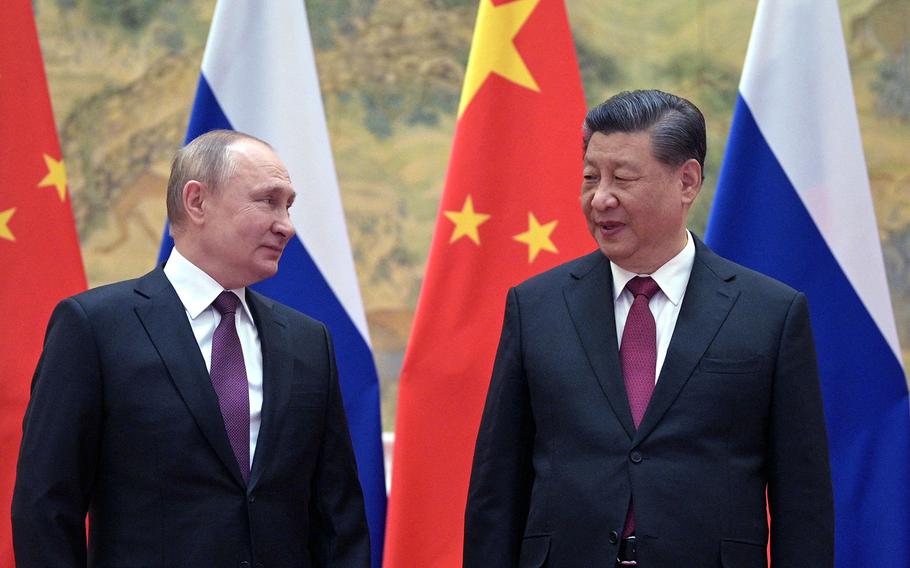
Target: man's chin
pixel 612 250
pixel 266 270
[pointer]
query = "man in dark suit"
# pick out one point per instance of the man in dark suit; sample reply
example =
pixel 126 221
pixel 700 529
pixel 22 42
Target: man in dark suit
pixel 196 422
pixel 650 398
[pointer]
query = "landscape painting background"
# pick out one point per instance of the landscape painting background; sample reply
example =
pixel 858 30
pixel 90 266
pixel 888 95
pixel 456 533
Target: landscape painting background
pixel 123 73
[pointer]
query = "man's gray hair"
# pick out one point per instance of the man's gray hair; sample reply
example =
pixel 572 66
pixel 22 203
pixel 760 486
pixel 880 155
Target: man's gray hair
pixel 206 159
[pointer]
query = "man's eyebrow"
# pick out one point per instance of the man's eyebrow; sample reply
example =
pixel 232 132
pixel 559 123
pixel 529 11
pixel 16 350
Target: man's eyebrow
pixel 276 187
pixel 614 160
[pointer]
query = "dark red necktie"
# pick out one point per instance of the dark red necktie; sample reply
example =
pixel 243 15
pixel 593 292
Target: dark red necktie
pixel 638 354
pixel 638 350
pixel 228 374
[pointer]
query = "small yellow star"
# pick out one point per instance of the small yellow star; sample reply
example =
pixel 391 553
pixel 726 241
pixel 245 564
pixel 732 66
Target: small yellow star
pixel 56 176
pixel 466 222
pixel 5 216
pixel 492 49
pixel 537 237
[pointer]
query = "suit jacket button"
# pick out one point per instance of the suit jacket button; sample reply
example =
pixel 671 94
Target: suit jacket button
pixel 614 537
pixel 244 564
pixel 635 457
pixel 252 498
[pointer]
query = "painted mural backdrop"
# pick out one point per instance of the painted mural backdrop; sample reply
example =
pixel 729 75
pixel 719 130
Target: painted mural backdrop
pixel 123 73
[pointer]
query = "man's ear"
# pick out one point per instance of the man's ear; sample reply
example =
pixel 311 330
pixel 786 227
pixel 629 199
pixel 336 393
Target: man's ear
pixel 194 196
pixel 690 177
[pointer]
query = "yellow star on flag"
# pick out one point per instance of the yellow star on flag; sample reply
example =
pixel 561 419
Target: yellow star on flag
pixel 5 216
pixel 466 222
pixel 56 176
pixel 537 237
pixel 492 49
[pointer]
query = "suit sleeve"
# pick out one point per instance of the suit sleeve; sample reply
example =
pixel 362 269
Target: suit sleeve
pixel 59 451
pixel 501 476
pixel 339 535
pixel 799 477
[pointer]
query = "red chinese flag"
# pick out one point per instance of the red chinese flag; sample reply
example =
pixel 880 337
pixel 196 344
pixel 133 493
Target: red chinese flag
pixel 39 250
pixel 510 210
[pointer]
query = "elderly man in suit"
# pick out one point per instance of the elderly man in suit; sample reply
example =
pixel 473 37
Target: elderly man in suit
pixel 196 422
pixel 649 399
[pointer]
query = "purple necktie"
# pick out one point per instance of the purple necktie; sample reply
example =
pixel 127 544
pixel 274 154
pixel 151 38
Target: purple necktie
pixel 229 379
pixel 638 353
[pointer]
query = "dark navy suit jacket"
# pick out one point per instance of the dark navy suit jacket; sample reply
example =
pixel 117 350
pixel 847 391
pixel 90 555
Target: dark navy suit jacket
pixel 736 413
pixel 123 423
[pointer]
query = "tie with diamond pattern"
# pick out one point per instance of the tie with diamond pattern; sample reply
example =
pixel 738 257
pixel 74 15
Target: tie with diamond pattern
pixel 229 379
pixel 638 354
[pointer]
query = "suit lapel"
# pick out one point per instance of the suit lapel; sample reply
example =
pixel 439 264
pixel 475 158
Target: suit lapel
pixel 709 297
pixel 277 369
pixel 165 321
pixel 589 297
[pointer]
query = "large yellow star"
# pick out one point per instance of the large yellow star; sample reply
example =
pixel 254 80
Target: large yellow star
pixel 492 49
pixel 56 176
pixel 5 216
pixel 466 222
pixel 537 237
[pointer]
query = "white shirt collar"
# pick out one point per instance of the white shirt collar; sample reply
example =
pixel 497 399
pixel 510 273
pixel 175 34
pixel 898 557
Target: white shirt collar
pixel 196 289
pixel 672 277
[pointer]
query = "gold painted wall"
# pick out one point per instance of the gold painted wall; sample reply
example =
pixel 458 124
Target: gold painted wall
pixel 123 73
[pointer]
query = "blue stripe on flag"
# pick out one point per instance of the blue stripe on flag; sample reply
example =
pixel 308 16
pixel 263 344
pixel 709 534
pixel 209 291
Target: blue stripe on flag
pixel 206 114
pixel 759 220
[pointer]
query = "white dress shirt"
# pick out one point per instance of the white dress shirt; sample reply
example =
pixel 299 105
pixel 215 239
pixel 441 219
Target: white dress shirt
pixel 672 277
pixel 197 290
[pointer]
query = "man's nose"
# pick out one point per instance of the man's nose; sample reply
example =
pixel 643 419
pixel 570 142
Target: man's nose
pixel 604 197
pixel 284 226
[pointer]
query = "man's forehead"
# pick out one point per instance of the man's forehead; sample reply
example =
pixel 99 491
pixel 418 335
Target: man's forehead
pixel 618 147
pixel 274 169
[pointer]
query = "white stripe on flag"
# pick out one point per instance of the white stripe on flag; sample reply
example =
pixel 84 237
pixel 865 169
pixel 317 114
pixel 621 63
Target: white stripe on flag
pixel 811 127
pixel 281 103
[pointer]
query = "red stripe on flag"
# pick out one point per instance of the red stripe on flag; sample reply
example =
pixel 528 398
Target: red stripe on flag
pixel 517 152
pixel 40 262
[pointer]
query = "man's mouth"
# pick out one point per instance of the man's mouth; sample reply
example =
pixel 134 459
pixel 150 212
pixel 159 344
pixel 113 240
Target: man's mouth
pixel 610 227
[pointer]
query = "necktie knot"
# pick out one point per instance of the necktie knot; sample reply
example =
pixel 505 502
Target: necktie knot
pixel 643 286
pixel 226 303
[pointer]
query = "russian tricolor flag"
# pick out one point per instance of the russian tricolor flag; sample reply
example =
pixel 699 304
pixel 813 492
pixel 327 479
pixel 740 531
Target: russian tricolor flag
pixel 793 201
pixel 259 77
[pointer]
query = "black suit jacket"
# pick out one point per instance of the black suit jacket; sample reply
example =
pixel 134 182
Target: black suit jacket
pixel 123 423
pixel 736 411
